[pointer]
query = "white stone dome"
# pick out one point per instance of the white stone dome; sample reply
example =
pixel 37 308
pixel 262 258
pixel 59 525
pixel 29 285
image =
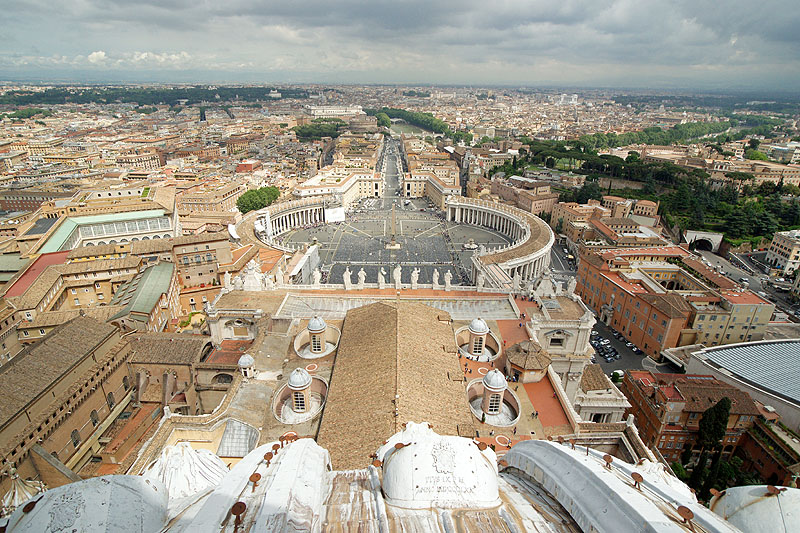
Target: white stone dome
pixel 246 361
pixel 436 471
pixel 495 380
pixel 316 325
pixel 299 379
pixel 478 326
pixel 753 508
pixel 186 471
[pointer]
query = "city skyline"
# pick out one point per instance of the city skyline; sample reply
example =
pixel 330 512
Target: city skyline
pixel 616 43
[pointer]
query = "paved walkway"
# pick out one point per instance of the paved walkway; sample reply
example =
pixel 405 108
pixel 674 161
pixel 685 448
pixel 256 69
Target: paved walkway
pixel 544 400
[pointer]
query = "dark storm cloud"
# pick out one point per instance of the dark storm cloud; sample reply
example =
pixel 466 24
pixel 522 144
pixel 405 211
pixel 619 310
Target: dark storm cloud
pixel 570 41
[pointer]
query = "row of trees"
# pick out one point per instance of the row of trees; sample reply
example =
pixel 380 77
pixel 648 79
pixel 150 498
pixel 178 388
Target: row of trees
pixel 28 112
pixel 256 199
pixel 144 95
pixel 750 124
pixel 655 135
pixel 425 121
pixel 319 128
pixel 687 196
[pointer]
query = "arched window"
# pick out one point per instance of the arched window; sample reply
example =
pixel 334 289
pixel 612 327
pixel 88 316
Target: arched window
pixel 299 401
pixel 494 404
pixel 126 383
pixel 111 402
pixel 477 346
pixel 76 438
pixel 94 417
pixel 222 378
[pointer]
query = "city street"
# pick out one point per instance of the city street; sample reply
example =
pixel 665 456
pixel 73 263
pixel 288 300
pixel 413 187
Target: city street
pixel 757 282
pixel 628 360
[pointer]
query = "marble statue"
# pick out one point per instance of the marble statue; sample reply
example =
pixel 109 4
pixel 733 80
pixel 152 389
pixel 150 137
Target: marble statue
pixel 396 274
pixel 573 282
pixel 227 280
pixel 517 280
pixel 348 282
pixel 435 279
pixel 382 279
pixel 362 278
pixel 317 277
pixel 480 281
pixel 448 277
pixel 238 283
pixel 266 280
pixel 415 278
pixel 279 280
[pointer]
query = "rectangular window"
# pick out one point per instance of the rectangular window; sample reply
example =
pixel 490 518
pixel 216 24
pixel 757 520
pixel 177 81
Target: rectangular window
pixel 299 402
pixel 494 404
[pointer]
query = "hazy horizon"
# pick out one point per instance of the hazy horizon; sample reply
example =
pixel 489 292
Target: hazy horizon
pixel 624 44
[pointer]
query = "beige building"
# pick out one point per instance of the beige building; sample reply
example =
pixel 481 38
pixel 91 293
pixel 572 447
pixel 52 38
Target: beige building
pixel 219 197
pixel 784 251
pixel 58 397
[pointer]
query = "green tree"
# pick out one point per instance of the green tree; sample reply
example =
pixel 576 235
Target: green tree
pixel 711 429
pixel 754 143
pixel 713 475
pixel 383 120
pixel 257 199
pixel 679 471
pixel 755 155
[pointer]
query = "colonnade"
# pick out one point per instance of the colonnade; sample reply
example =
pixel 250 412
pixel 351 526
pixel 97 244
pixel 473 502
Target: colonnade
pixel 283 222
pixel 475 216
pixel 517 227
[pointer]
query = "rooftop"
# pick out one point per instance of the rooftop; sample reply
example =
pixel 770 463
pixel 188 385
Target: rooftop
pixel 392 367
pixel 37 367
pixel 771 365
pixel 167 348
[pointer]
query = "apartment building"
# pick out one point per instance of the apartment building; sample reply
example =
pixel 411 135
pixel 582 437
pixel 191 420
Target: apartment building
pixel 210 197
pixel 144 160
pixel 657 301
pixel 529 195
pixel 784 251
pixel 667 409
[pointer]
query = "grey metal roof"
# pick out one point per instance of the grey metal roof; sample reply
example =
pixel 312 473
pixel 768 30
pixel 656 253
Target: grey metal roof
pixel 773 366
pixel 238 440
pixel 41 226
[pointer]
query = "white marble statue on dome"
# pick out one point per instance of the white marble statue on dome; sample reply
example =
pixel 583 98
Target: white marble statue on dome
pixel 381 278
pixel 435 279
pixel 480 280
pixel 346 279
pixel 573 283
pixel 415 278
pixel 448 278
pixel 238 283
pixel 397 276
pixel 226 281
pixel 362 278
pixel 517 280
pixel 267 283
pixel 279 279
pixel 252 277
pixel 316 277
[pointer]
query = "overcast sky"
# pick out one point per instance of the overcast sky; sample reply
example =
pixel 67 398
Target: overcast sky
pixel 635 43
